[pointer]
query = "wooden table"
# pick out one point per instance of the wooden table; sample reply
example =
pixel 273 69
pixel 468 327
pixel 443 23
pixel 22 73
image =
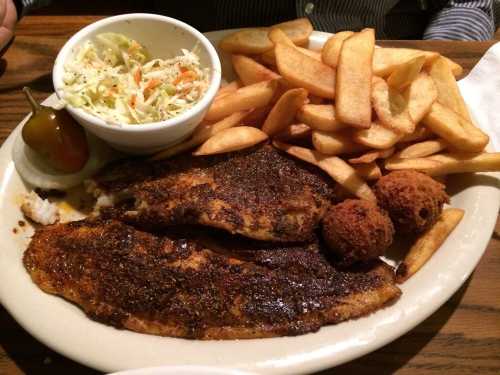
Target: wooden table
pixel 462 337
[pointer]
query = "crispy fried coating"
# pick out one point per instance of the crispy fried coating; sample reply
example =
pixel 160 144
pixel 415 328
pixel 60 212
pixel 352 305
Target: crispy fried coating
pixel 357 230
pixel 413 200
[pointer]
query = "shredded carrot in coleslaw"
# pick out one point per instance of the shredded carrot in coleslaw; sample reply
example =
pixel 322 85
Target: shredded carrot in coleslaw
pixel 112 77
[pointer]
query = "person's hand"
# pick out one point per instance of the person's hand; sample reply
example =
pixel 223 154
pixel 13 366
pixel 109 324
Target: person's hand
pixel 8 18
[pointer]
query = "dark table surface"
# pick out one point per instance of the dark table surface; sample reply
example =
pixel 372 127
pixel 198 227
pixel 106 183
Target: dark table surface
pixel 462 337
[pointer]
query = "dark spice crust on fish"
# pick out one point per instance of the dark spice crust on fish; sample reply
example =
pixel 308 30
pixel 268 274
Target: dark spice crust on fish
pixel 169 285
pixel 260 193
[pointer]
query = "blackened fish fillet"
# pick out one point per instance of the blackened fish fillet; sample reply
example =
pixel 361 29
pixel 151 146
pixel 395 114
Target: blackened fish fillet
pixel 208 287
pixel 260 193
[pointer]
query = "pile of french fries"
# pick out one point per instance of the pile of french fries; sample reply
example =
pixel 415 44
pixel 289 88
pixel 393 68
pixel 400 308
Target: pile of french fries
pixel 352 109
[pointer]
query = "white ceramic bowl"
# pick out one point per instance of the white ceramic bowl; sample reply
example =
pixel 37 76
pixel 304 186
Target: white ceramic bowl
pixel 163 37
pixel 184 370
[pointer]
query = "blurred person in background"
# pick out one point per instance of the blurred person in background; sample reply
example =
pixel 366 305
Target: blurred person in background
pixel 392 19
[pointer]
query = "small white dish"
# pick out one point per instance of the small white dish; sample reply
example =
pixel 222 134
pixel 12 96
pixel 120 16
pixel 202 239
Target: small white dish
pixel 163 37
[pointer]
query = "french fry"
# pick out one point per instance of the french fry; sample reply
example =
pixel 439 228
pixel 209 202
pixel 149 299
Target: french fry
pixel 252 96
pixel 295 132
pixel 386 60
pixel 335 143
pixel 418 164
pixel 320 117
pixel 297 30
pixel 406 73
pixel 448 91
pixel 391 107
pixel 201 134
pixel 369 171
pixel 226 89
pixel 422 149
pixel 283 112
pixel 331 49
pixel 269 57
pixel 313 99
pixel 303 71
pixel 371 156
pixel 257 116
pixel 377 136
pixel 255 40
pixel 354 79
pixel 421 133
pixel 247 41
pixel 456 130
pixel 250 71
pixel 420 95
pixel 231 139
pixel 451 163
pixel 278 36
pixel 337 168
pixel 456 69
pixel 428 243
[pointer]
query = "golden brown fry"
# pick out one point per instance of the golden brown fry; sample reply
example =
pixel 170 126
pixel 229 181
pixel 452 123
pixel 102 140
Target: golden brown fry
pixel 297 30
pixel 269 57
pixel 276 35
pixel 455 129
pixel 255 40
pixel 420 95
pixel 231 139
pixel 371 156
pixel 295 132
pixel 386 60
pixel 248 97
pixel 391 107
pixel 421 133
pixel 422 149
pixel 201 134
pixel 313 99
pixel 331 49
pixel 418 164
pixel 320 117
pixel 456 69
pixel 250 71
pixel 406 73
pixel 335 143
pixel 247 41
pixel 354 80
pixel 283 112
pixel 228 88
pixel 377 136
pixel 451 163
pixel 428 243
pixel 448 92
pixel 337 168
pixel 257 116
pixel 369 171
pixel 304 71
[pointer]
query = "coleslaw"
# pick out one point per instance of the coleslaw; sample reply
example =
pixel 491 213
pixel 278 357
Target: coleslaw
pixel 113 77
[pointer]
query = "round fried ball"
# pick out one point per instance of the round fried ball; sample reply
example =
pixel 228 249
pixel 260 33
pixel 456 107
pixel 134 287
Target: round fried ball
pixel 413 200
pixel 357 230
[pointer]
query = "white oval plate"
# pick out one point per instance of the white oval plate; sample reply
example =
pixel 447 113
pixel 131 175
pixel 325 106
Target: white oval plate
pixel 65 328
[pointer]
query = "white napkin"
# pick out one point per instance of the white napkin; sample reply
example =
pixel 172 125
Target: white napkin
pixel 481 92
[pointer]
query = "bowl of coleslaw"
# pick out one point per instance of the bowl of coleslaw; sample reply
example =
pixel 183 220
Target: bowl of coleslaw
pixel 141 82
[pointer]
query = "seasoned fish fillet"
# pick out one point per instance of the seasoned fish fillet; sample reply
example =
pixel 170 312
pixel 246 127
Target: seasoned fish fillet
pixel 260 193
pixel 214 286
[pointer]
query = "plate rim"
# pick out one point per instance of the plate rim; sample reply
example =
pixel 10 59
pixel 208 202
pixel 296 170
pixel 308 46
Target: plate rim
pixel 307 364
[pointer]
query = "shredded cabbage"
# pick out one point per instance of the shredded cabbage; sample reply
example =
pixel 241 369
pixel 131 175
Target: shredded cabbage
pixel 113 77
